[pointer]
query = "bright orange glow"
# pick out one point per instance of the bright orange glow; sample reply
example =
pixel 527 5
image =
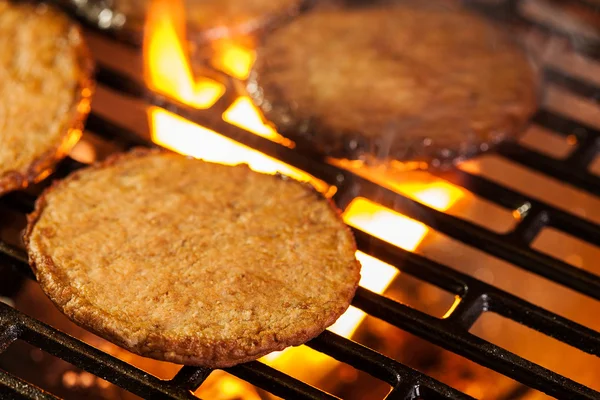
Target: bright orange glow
pixel 385 224
pixel 167 67
pixel 178 134
pixel 233 58
pixel 243 113
pixel 439 194
pixel 222 386
pixel 375 276
pixel 413 183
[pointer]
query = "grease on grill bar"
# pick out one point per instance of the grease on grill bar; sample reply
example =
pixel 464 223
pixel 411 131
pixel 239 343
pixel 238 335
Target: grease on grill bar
pixel 187 114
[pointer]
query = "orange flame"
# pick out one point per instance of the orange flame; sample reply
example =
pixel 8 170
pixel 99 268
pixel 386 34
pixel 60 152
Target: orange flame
pixel 233 58
pixel 167 65
pixel 244 114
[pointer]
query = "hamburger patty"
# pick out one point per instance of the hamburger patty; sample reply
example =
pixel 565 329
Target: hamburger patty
pixel 45 89
pixel 395 81
pixel 192 262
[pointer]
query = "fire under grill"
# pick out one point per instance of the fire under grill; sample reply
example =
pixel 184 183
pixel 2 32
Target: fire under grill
pixel 122 84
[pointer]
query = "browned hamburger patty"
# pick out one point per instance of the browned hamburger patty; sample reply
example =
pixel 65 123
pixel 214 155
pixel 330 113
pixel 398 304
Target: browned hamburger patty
pixel 213 19
pixel 406 82
pixel 192 262
pixel 45 89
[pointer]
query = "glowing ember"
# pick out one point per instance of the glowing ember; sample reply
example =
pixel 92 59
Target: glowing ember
pixel 167 68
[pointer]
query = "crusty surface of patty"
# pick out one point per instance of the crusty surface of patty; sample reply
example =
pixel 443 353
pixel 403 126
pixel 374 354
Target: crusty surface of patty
pixel 215 18
pixel 402 81
pixel 45 89
pixel 192 262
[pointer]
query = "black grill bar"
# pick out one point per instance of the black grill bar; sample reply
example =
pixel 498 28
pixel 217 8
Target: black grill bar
pixel 576 86
pixel 564 125
pixel 376 364
pixel 478 297
pixel 552 167
pixel 89 358
pixel 490 242
pixel 12 387
pixel 512 200
pixel 470 346
pixel 584 154
pixel 507 12
pixel 276 382
pixel 15 259
pixel 115 133
pixel 190 378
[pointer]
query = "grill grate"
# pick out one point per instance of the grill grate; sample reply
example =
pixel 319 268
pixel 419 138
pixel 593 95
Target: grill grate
pixel 451 333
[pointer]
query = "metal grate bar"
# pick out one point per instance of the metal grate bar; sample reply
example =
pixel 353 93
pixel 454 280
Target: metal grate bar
pixel 89 358
pixel 479 294
pixel 115 133
pixel 584 154
pixel 12 387
pixel 394 373
pixel 403 392
pixel 551 167
pixel 512 200
pixel 439 332
pixel 190 377
pixel 581 88
pixel 490 242
pixel 564 125
pixel 8 334
pixel 276 382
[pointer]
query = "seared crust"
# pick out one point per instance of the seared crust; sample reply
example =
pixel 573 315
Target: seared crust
pixel 192 262
pixel 45 91
pixel 399 81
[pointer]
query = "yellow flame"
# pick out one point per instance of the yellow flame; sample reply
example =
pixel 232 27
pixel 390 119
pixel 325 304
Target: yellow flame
pixel 233 58
pixel 375 276
pixel 385 224
pixel 167 67
pixel 438 194
pixel 178 134
pixel 411 182
pixel 244 114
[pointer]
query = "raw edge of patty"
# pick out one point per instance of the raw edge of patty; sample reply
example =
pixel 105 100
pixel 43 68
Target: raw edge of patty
pixel 73 122
pixel 81 311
